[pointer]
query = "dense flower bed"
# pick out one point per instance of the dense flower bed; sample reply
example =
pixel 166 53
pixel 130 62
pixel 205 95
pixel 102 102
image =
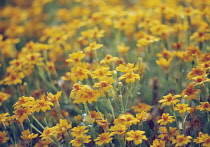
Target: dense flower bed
pixel 104 73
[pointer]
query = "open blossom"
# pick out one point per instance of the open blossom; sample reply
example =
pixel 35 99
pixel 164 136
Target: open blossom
pixel 137 136
pixel 181 140
pixel 129 77
pixel 103 138
pixel 169 99
pixel 165 119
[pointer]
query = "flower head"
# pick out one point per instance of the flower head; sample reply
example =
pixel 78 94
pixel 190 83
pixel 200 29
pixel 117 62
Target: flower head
pixel 137 136
pixel 165 119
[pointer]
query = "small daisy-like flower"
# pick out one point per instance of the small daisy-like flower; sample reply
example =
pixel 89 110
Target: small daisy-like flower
pixel 129 77
pixel 165 119
pixel 181 140
pixel 137 136
pixel 182 108
pixel 169 99
pixel 158 143
pixel 103 138
pixel 27 136
pixel 3 138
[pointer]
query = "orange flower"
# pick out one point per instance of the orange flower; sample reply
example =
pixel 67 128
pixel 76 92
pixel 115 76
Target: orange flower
pixel 3 138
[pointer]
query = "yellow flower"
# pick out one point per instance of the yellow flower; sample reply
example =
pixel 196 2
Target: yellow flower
pixel 93 46
pixel 204 139
pixel 24 102
pixel 13 77
pixel 169 99
pixel 78 142
pixel 109 59
pixel 4 118
pixel 101 72
pixel 196 72
pixel 164 63
pixel 122 48
pixel 126 119
pixel 165 54
pixel 48 133
pixel 42 143
pixel 182 108
pixel 137 136
pixel 87 95
pixel 148 39
pixel 79 73
pixel 141 107
pixel 3 97
pixel 190 92
pixel 54 98
pixel 105 84
pixel 79 131
pixel 3 138
pixel 158 143
pixel 204 106
pixel 181 140
pixel 27 136
pixel 172 133
pixel 128 68
pixel 21 114
pixel 103 138
pixel 76 57
pixel 118 129
pixel 43 105
pixel 62 126
pixel 129 77
pixel 165 119
pixel 142 115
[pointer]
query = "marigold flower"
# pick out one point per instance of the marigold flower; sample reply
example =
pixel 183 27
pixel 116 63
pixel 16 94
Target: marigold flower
pixel 79 131
pixel 147 40
pixel 76 57
pixel 158 143
pixel 181 140
pixel 164 63
pixel 79 73
pixel 196 72
pixel 182 108
pixel 27 136
pixel 101 72
pixel 137 136
pixel 54 98
pixel 62 126
pixel 24 102
pixel 165 119
pixel 103 138
pixel 172 133
pixel 199 80
pixel 142 115
pixel 129 77
pixel 203 138
pixel 166 54
pixel 4 118
pixel 109 59
pixel 87 95
pixel 190 92
pixel 42 143
pixel 21 114
pixel 48 133
pixel 122 48
pixel 204 106
pixel 118 129
pixel 105 84
pixel 3 138
pixel 93 46
pixel 128 68
pixel 43 105
pixel 78 142
pixel 126 119
pixel 169 99
pixel 3 97
pixel 13 77
pixel 141 107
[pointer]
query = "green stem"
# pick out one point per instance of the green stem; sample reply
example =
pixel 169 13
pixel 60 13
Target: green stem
pixel 38 122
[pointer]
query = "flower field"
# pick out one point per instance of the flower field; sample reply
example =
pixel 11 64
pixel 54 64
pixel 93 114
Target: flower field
pixel 111 73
